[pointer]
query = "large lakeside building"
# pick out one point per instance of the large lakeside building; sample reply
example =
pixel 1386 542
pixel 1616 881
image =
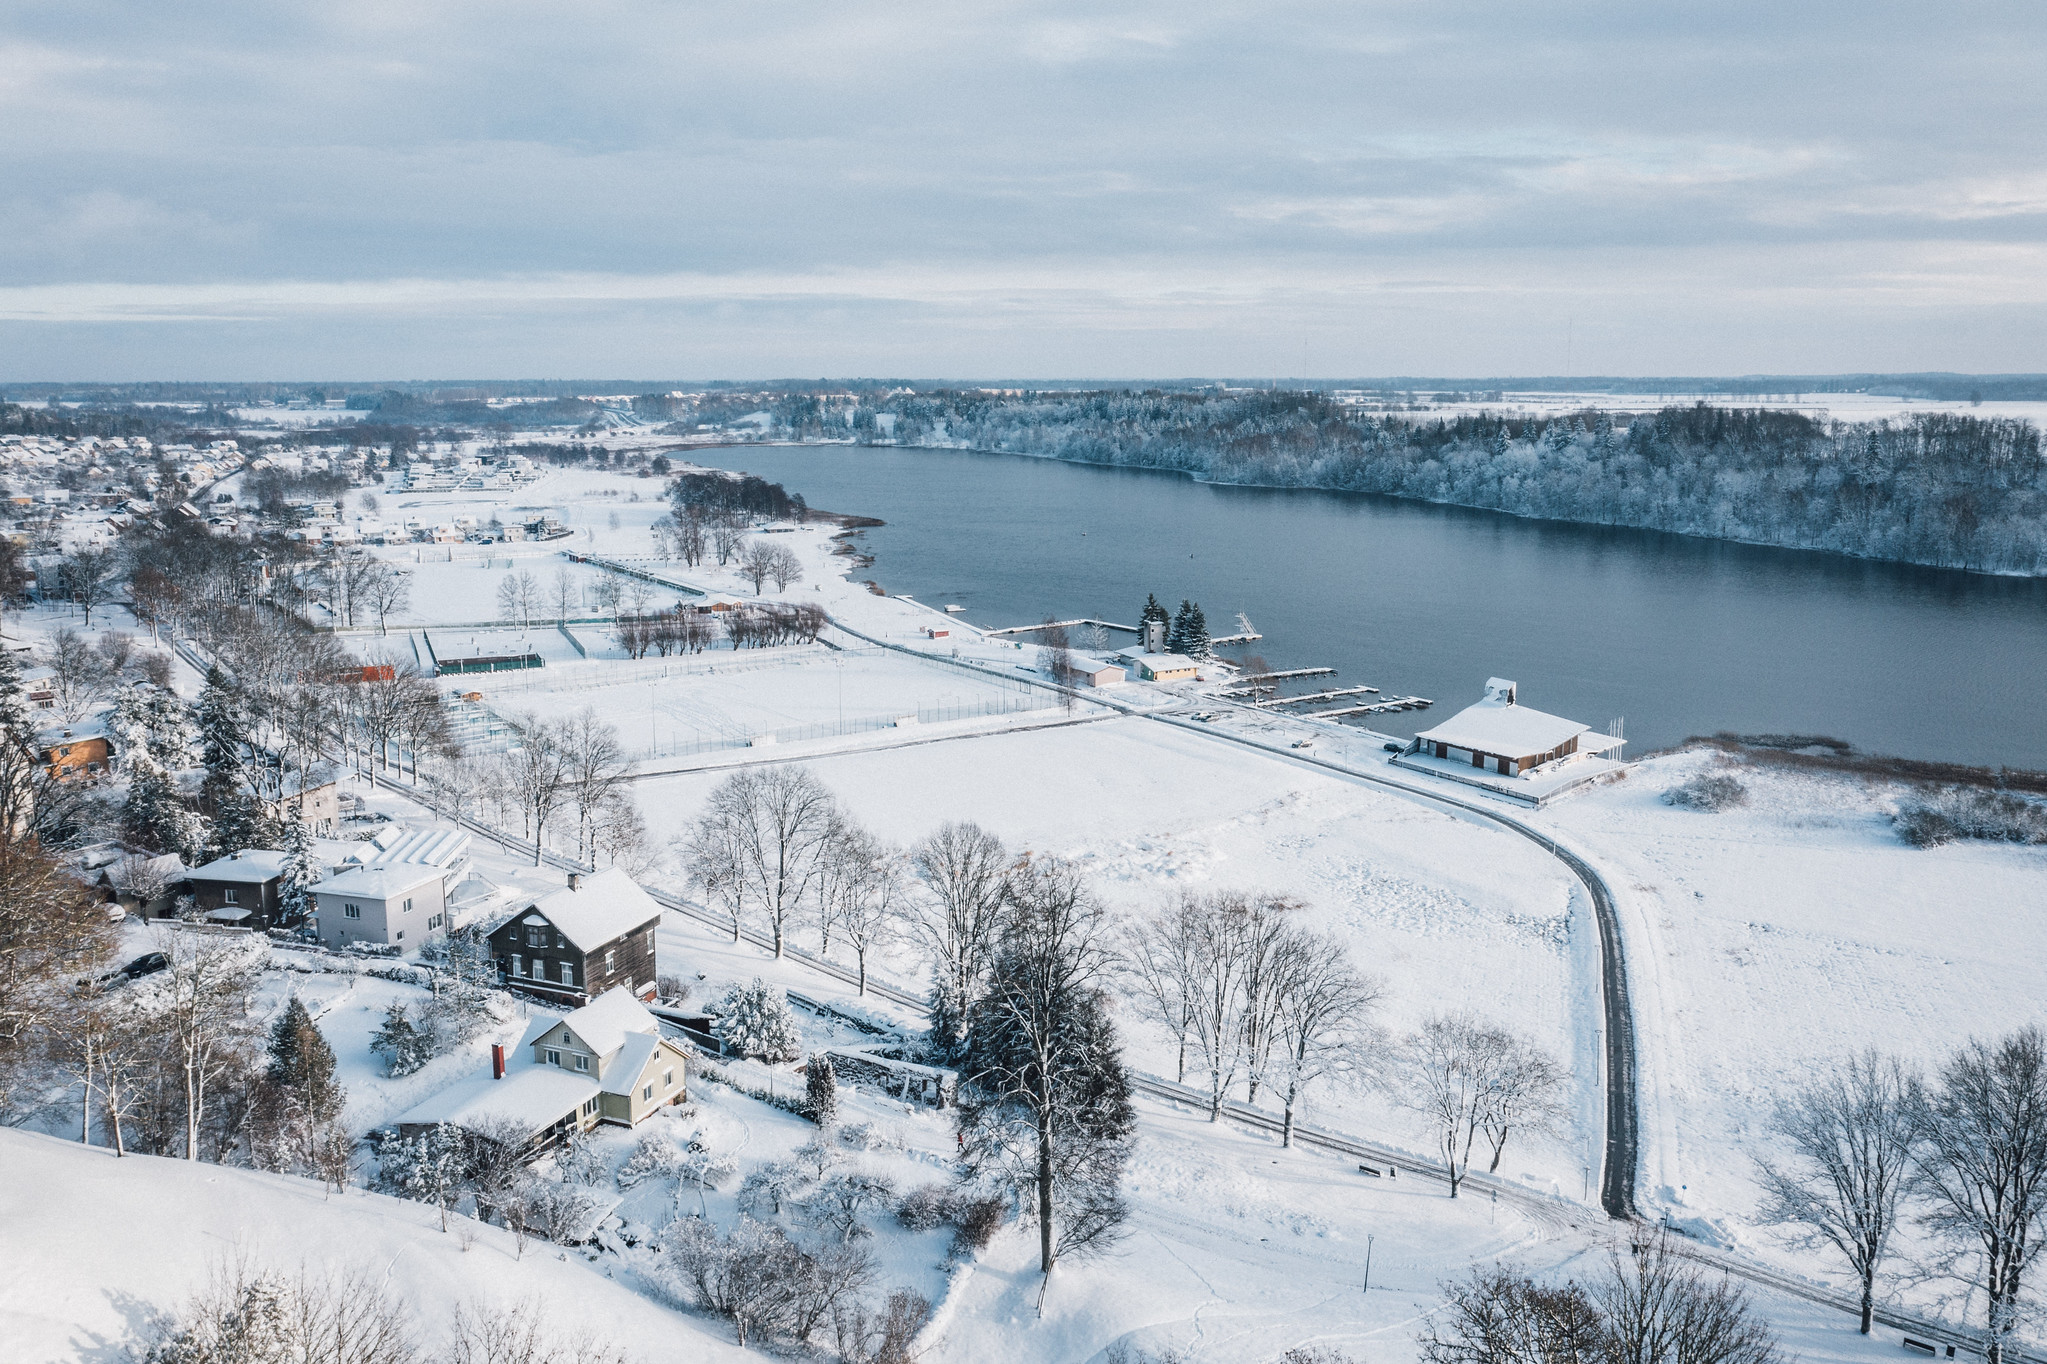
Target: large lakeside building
pixel 1514 749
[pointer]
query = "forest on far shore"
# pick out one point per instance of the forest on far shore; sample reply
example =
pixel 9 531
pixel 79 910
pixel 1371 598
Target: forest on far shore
pixel 1944 489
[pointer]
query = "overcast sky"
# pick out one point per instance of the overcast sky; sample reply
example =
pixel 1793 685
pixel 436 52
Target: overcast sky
pixel 661 188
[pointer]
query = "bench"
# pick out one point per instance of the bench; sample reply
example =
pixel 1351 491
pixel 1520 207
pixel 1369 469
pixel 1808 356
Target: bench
pixel 1919 1345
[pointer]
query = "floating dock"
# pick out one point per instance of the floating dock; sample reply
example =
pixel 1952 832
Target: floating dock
pixel 1375 708
pixel 1318 696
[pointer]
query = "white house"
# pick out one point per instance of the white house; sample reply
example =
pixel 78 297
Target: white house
pixel 400 905
pixel 1500 736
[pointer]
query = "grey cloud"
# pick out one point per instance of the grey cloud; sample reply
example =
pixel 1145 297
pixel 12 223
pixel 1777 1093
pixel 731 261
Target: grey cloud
pixel 1324 149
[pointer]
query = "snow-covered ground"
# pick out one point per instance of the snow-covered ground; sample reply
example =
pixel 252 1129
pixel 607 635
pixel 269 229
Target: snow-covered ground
pixel 1765 940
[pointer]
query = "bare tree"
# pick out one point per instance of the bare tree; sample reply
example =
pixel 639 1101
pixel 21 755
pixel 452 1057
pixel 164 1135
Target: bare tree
pixel 562 594
pixel 715 866
pixel 203 998
pixel 785 568
pixel 78 674
pixel 1983 1168
pixel 1055 657
pixel 1525 1094
pixel 1444 1073
pixel 1162 954
pixel 1264 929
pixel 870 898
pixel 49 929
pixel 540 773
pixel 1324 1006
pixel 1661 1306
pixel 1498 1316
pixel 598 766
pixel 520 1334
pixel 607 592
pixel 388 590
pixel 727 537
pixel 249 1314
pixel 774 821
pixel 1849 1140
pixel 757 563
pixel 962 865
pixel 689 537
pixel 89 578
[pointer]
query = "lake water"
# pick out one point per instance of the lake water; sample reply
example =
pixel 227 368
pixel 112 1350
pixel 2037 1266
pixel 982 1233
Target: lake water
pixel 1680 636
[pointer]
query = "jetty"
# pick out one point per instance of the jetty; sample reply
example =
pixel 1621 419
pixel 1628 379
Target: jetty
pixel 1059 624
pixel 1392 703
pixel 1318 696
pixel 1236 639
pixel 1282 676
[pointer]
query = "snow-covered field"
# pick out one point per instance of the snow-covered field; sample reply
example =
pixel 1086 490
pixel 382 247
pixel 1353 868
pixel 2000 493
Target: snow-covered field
pixel 1765 940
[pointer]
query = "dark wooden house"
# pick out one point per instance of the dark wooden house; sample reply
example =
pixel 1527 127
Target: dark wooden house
pixel 592 936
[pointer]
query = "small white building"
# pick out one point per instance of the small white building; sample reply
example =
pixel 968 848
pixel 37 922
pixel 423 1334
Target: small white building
pixel 1162 667
pixel 400 905
pixel 1513 749
pixel 1094 672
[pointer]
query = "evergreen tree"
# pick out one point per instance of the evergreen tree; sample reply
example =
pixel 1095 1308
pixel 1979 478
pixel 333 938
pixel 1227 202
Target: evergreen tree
pixel 238 820
pixel 301 1061
pixel 754 1020
pixel 294 904
pixel 404 1047
pixel 821 1090
pixel 154 736
pixel 1193 626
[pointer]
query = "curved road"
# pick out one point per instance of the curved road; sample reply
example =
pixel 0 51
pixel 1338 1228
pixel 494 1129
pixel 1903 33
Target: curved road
pixel 1620 1157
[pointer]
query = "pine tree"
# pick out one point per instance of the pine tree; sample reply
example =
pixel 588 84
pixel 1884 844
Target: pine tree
pixel 821 1090
pixel 301 1061
pixel 294 903
pixel 155 738
pixel 404 1047
pixel 754 1020
pixel 1193 631
pixel 238 821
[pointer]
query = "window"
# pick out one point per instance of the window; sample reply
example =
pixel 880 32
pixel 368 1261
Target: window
pixel 350 911
pixel 234 897
pixel 408 904
pixel 589 1107
pixel 568 973
pixel 582 1062
pixel 435 921
pixel 610 960
pixel 517 962
pixel 554 1058
pixel 647 1093
pixel 400 937
pixel 667 1079
pixel 536 937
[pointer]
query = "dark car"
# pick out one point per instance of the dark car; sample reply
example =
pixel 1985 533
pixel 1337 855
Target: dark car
pixel 148 964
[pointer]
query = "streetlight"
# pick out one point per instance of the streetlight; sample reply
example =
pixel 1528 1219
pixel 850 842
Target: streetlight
pixel 1369 1238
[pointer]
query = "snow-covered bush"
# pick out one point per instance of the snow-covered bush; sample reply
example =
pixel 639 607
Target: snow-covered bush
pixel 768 1187
pixel 865 1136
pixel 978 1219
pixel 927 1208
pixel 1934 818
pixel 842 1199
pixel 403 1044
pixel 754 1020
pixel 432 1167
pixel 1710 792
pixel 262 1316
pixel 655 1157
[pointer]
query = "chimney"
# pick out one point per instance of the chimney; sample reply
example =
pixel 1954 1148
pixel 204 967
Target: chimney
pixel 575 880
pixel 497 1060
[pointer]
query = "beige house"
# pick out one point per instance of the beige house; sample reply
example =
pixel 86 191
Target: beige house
pixel 607 1062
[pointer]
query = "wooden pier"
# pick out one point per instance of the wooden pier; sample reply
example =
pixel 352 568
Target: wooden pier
pixel 1318 696
pixel 1235 639
pixel 1056 624
pixel 1282 676
pixel 1375 708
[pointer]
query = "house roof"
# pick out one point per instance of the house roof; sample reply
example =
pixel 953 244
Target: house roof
pixel 609 904
pixel 73 734
pixel 533 1095
pixel 251 864
pixel 438 848
pixel 1500 727
pixel 624 1070
pixel 376 883
pixel 606 1022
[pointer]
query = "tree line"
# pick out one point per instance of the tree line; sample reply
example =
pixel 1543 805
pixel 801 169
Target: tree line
pixel 1945 489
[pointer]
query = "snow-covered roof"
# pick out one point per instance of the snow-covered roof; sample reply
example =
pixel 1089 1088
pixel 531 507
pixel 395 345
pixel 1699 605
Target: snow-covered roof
pixel 440 848
pixel 624 1070
pixel 535 1096
pixel 95 728
pixel 377 883
pixel 251 864
pixel 607 905
pixel 607 1021
pixel 1498 726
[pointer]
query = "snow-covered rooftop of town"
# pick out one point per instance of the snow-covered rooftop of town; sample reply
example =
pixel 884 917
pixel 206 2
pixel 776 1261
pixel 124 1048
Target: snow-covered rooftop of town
pixel 601 908
pixel 251 864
